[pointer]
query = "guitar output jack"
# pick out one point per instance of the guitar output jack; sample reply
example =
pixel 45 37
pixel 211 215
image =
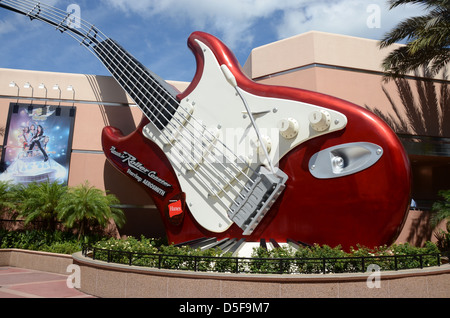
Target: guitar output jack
pixel 338 164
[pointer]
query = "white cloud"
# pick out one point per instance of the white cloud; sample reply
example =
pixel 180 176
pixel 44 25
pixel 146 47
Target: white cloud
pixel 6 27
pixel 233 19
pixel 371 19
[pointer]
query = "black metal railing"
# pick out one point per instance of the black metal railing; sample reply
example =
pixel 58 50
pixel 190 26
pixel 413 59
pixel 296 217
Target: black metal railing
pixel 322 265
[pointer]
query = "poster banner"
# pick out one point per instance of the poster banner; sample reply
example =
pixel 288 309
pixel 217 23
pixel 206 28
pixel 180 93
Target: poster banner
pixel 37 144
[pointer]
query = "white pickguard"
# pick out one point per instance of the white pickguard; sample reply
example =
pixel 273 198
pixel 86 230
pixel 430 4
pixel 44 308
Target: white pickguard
pixel 212 123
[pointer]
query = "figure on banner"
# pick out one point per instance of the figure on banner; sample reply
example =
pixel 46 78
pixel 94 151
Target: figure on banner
pixel 25 139
pixel 36 141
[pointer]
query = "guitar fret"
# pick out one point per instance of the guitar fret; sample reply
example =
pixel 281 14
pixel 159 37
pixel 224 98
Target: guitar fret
pixel 91 38
pixel 58 27
pixel 33 16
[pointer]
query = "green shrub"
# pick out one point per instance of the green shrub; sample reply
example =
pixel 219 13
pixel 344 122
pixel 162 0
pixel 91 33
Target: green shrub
pixel 412 254
pixel 63 247
pixel 156 253
pixel 163 256
pixel 271 261
pixel 40 240
pixel 320 258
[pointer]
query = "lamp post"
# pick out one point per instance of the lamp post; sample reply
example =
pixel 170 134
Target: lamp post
pixel 72 110
pixel 71 89
pixel 56 87
pixel 42 86
pixel 28 85
pixel 58 109
pixel 13 84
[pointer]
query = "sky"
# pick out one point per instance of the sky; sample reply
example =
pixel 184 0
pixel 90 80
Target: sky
pixel 156 31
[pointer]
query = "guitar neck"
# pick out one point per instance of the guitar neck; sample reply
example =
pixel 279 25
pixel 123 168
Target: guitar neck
pixel 155 97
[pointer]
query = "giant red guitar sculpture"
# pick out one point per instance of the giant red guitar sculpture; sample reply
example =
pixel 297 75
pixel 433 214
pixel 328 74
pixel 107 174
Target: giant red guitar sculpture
pixel 235 160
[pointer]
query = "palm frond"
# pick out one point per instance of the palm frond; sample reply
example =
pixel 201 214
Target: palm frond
pixel 427 39
pixel 445 109
pixel 441 208
pixel 426 3
pixel 85 206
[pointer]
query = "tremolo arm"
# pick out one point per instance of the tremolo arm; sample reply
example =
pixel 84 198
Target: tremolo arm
pixel 249 209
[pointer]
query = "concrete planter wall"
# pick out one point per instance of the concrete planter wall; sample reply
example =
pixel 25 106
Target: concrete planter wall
pixel 113 280
pixel 42 261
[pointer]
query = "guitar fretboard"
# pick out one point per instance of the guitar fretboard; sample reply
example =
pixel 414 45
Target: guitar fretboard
pixel 154 97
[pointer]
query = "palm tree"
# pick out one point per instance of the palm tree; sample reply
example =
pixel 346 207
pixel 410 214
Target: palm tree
pixel 441 212
pixel 2 133
pixel 427 36
pixel 85 207
pixel 441 209
pixel 7 199
pixel 39 202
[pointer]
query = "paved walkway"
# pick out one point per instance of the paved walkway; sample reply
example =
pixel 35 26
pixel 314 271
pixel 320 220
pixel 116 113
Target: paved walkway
pixel 26 283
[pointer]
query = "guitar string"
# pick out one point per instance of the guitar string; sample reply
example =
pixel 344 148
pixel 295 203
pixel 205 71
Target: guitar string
pixel 210 141
pixel 201 153
pixel 64 15
pixel 82 42
pixel 61 25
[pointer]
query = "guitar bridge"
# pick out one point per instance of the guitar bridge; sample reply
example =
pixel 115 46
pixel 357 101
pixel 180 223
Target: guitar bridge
pixel 249 211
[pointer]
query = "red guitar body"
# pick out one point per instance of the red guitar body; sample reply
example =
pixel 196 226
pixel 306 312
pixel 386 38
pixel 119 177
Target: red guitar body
pixel 366 208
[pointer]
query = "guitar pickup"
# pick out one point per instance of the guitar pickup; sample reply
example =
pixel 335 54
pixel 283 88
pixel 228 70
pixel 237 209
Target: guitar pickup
pixel 249 211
